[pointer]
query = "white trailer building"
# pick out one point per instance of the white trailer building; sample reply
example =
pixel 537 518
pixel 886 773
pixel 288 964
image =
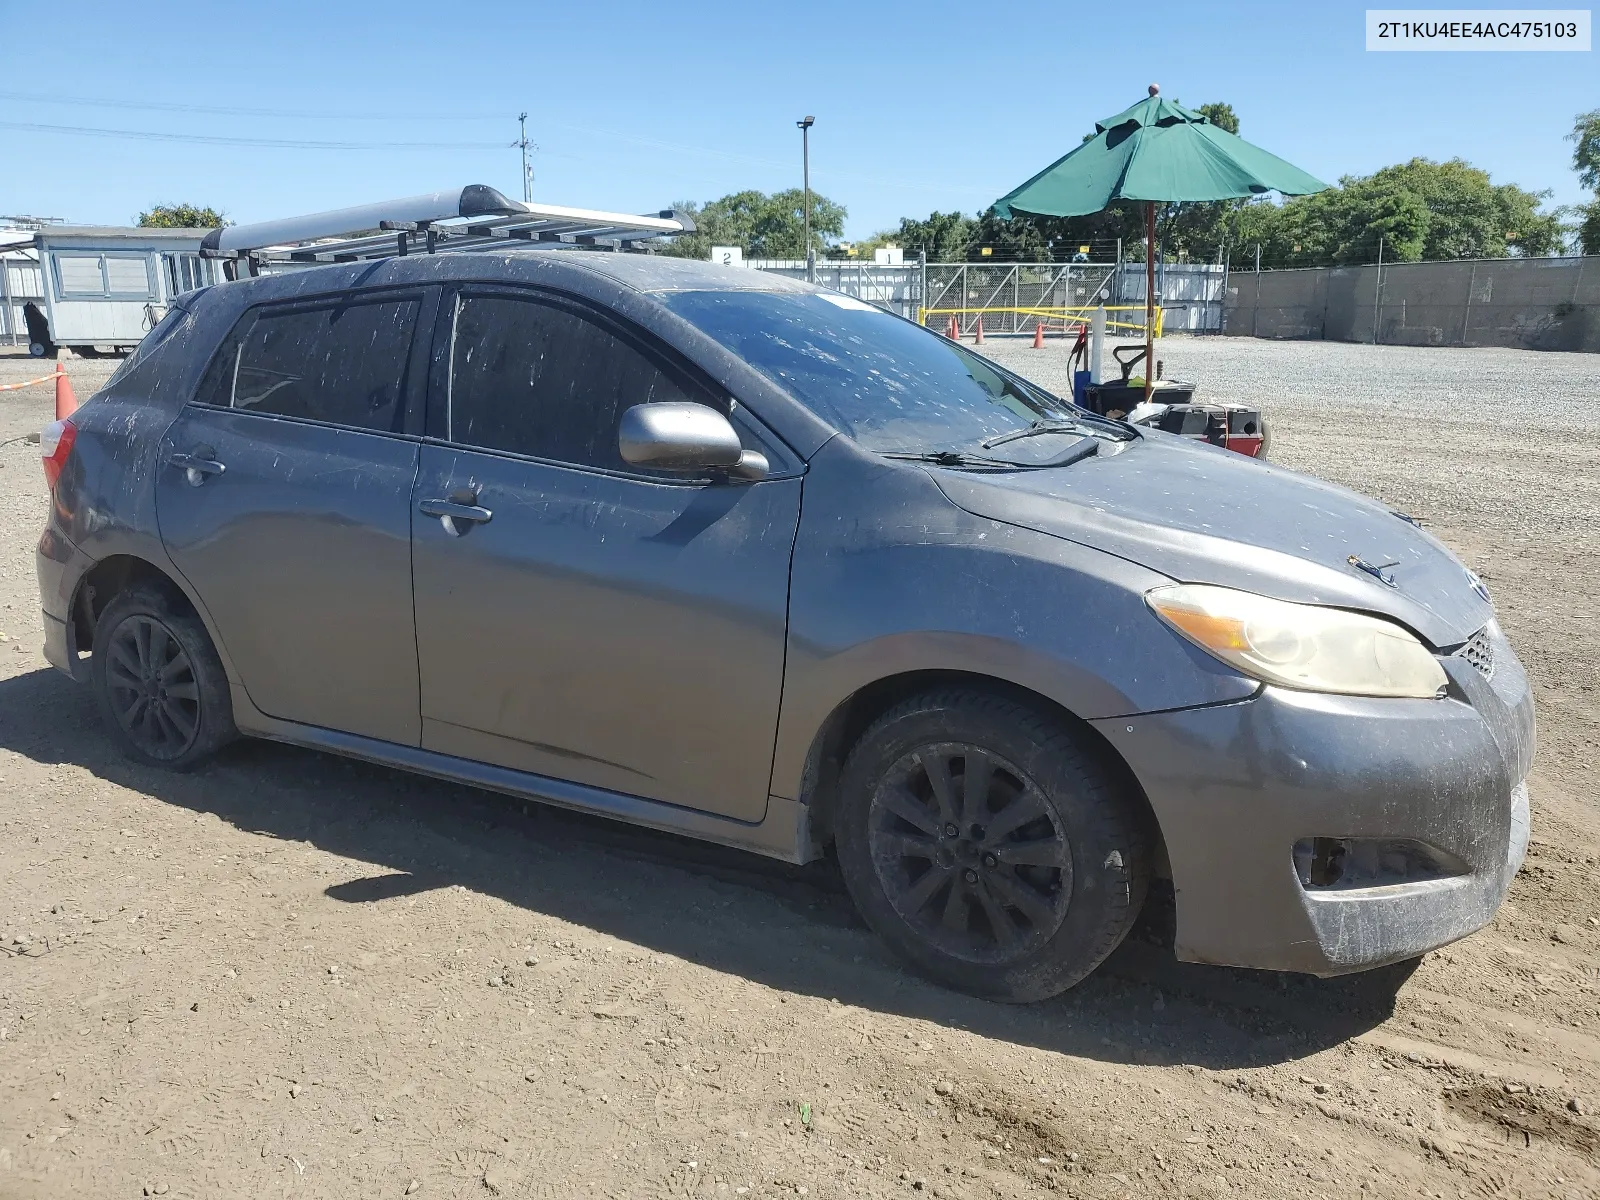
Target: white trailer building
pixel 104 287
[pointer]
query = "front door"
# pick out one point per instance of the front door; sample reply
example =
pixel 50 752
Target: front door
pixel 284 498
pixel 590 621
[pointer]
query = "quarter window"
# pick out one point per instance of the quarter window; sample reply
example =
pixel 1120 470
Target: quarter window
pixel 535 378
pixel 344 363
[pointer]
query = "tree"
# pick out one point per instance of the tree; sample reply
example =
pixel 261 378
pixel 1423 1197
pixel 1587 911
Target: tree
pixel 943 237
pixel 1586 162
pixel 865 247
pixel 182 216
pixel 1021 238
pixel 762 226
pixel 1586 150
pixel 1221 115
pixel 1421 210
pixel 1589 227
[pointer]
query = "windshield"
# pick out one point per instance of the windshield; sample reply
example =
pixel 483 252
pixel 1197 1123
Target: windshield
pixel 888 384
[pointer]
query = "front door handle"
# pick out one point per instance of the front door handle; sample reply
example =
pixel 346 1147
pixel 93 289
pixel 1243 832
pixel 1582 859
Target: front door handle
pixel 457 519
pixel 199 466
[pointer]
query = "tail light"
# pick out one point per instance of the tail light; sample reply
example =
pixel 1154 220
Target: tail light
pixel 55 444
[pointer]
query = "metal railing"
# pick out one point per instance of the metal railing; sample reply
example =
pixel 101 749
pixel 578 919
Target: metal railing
pixel 1122 319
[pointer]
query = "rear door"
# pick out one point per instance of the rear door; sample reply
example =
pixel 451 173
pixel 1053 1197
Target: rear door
pixel 595 622
pixel 284 499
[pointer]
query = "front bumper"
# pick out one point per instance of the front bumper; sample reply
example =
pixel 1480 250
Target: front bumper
pixel 1236 786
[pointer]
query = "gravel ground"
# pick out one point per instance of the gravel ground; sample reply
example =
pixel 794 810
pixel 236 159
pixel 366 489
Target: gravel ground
pixel 290 975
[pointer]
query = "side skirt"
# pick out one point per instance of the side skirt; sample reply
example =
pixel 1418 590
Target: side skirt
pixel 784 833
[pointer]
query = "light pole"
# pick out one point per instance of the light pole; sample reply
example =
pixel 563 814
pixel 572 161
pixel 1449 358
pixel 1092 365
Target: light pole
pixel 805 171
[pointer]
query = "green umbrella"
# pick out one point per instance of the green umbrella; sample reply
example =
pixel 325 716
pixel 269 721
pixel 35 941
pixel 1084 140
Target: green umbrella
pixel 1156 151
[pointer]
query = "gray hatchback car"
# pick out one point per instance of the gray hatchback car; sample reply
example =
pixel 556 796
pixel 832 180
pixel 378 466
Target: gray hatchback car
pixel 740 558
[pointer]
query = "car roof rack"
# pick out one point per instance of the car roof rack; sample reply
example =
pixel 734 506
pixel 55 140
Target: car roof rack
pixel 476 217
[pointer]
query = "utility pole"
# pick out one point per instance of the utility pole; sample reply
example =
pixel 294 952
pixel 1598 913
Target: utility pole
pixel 805 169
pixel 527 167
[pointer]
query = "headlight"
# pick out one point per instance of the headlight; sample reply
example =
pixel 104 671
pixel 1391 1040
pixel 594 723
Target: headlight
pixel 1301 645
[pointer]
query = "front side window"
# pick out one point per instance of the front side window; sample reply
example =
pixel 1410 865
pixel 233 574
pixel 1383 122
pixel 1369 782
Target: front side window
pixel 883 381
pixel 535 378
pixel 345 363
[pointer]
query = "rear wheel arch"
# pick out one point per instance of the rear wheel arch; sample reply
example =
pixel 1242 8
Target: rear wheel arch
pixel 108 579
pixel 857 713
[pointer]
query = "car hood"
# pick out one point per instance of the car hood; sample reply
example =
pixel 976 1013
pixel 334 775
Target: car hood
pixel 1200 514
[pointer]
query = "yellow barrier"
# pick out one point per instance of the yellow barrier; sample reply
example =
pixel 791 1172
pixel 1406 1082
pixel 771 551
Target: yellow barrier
pixel 1079 315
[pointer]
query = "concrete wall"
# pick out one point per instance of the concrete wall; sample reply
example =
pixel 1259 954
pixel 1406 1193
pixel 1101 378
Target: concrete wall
pixel 1531 303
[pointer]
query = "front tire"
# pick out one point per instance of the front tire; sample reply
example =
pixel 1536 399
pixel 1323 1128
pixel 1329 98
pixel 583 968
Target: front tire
pixel 988 845
pixel 161 688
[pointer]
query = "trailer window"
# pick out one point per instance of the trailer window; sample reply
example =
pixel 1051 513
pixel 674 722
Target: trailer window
pixel 185 273
pixel 127 276
pixel 80 275
pixel 103 276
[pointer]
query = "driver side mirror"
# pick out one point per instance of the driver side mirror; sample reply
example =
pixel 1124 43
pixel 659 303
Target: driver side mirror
pixel 685 437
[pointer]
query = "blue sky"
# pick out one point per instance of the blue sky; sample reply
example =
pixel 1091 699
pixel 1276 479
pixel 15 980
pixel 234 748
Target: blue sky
pixel 633 105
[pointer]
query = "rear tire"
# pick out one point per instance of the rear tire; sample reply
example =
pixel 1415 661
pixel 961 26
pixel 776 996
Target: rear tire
pixel 160 686
pixel 1013 888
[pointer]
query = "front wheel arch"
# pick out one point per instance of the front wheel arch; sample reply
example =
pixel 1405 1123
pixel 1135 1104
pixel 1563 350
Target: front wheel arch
pixel 855 714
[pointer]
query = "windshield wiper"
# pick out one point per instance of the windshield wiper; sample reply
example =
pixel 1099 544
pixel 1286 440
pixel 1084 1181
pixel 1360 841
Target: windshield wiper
pixel 949 458
pixel 1080 426
pixel 1085 447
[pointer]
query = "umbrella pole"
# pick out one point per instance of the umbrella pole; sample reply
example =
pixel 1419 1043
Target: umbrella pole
pixel 1149 298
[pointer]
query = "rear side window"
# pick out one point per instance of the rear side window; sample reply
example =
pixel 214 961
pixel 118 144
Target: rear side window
pixel 536 378
pixel 345 363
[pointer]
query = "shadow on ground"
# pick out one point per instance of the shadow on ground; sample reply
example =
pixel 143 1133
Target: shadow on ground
pixel 790 928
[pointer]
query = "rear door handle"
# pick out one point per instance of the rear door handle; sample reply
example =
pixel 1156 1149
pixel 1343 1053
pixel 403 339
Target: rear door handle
pixel 457 519
pixel 197 467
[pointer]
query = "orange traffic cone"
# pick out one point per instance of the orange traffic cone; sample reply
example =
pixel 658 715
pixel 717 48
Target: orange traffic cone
pixel 955 331
pixel 1038 335
pixel 978 341
pixel 66 400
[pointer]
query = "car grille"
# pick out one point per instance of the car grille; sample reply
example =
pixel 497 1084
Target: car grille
pixel 1479 651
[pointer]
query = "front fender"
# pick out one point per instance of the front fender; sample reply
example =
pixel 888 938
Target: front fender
pixel 890 577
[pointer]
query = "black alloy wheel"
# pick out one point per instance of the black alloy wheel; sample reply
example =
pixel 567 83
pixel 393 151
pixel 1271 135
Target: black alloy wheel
pixel 969 853
pixel 160 685
pixel 991 842
pixel 152 687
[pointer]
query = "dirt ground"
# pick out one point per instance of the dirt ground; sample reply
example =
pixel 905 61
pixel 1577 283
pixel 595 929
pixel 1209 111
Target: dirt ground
pixel 290 975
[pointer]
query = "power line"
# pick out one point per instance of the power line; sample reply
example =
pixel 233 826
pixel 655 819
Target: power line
pixel 897 182
pixel 225 140
pixel 322 114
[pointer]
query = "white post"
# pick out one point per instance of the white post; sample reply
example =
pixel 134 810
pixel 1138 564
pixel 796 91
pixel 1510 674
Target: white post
pixel 5 299
pixel 1097 342
pixel 1377 292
